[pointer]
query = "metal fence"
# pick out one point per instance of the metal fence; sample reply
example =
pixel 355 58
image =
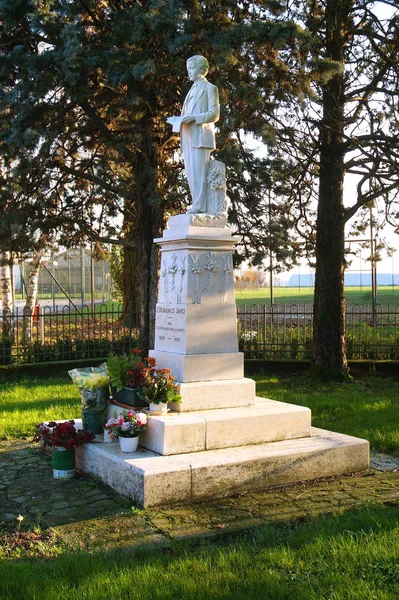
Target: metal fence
pixel 65 334
pixel 284 332
pixel 277 332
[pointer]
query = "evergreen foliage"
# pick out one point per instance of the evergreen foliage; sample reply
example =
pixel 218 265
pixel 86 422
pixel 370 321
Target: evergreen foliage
pixel 86 91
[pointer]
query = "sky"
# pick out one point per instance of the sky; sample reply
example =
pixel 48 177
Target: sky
pixel 388 264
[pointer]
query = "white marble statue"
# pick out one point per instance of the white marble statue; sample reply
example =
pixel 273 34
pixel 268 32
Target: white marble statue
pixel 197 138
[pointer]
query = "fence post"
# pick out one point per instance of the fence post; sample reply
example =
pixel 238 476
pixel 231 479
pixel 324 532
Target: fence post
pixel 92 277
pixel 41 321
pixel 82 274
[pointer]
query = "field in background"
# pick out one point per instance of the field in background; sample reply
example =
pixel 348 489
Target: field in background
pixel 304 295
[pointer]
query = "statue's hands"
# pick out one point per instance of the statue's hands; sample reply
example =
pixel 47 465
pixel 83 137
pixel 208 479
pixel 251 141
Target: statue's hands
pixel 188 119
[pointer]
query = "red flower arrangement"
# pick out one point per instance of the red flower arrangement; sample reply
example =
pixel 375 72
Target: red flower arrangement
pixel 157 385
pixel 154 385
pixel 61 435
pixel 136 375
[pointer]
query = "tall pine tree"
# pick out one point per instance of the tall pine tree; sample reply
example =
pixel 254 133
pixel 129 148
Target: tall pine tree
pixel 87 89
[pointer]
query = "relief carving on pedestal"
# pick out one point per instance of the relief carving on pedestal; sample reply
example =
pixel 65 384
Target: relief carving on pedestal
pixel 211 267
pixel 212 274
pixel 196 270
pixel 173 276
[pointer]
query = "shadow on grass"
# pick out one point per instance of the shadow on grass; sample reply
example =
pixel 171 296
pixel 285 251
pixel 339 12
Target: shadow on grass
pixel 341 556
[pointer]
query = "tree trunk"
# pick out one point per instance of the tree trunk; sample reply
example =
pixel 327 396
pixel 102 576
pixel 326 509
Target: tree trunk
pixel 328 348
pixel 6 294
pixel 143 261
pixel 130 280
pixel 31 289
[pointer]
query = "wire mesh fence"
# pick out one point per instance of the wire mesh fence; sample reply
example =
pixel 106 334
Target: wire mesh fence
pixel 74 275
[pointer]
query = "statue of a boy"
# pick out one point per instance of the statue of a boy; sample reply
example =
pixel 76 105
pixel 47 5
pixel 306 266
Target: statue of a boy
pixel 197 131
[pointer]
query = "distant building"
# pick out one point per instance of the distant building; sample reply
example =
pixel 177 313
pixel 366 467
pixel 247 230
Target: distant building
pixel 351 279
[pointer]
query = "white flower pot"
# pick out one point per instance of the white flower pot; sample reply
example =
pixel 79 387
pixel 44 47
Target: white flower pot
pixel 162 407
pixel 128 444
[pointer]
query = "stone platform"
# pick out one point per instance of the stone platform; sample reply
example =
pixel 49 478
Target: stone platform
pixel 197 431
pixel 221 439
pixel 150 479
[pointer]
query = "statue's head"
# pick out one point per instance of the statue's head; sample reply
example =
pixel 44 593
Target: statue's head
pixel 200 62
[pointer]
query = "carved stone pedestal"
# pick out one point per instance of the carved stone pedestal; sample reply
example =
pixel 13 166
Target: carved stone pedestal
pixel 222 439
pixel 196 321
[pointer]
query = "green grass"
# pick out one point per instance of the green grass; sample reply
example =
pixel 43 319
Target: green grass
pixel 285 295
pixel 351 556
pixel 367 408
pixel 26 402
pixel 345 556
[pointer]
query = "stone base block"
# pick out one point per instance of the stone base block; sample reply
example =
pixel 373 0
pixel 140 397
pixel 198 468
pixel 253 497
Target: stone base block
pixel 143 476
pixel 266 421
pixel 201 367
pixel 153 480
pixel 222 472
pixel 203 225
pixel 208 395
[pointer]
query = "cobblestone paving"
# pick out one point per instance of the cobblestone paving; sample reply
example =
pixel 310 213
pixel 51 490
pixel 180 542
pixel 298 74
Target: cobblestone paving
pixel 83 511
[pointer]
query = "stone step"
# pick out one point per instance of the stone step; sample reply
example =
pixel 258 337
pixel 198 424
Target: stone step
pixel 265 421
pixel 153 480
pixel 206 395
pixel 213 366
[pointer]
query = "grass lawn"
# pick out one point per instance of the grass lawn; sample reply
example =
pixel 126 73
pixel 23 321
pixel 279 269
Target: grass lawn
pixel 26 402
pixel 367 408
pixel 343 556
pixel 354 556
pixel 285 295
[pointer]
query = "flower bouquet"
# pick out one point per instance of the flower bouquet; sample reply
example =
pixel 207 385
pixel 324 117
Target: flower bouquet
pixel 61 435
pixel 124 371
pixel 127 427
pixel 157 386
pixel 63 438
pixel 93 384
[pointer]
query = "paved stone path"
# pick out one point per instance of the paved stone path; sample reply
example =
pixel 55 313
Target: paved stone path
pixel 82 511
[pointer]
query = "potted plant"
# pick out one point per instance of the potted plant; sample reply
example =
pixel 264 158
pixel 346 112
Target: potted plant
pixel 93 384
pixel 157 386
pixel 127 428
pixel 62 438
pixel 124 372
